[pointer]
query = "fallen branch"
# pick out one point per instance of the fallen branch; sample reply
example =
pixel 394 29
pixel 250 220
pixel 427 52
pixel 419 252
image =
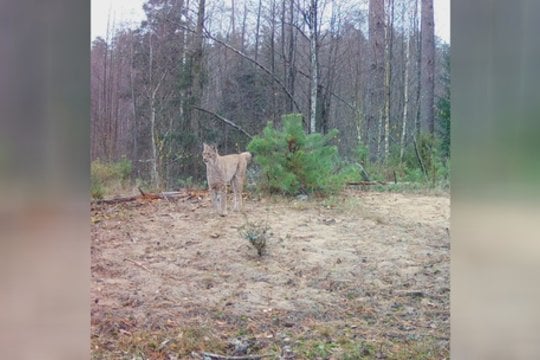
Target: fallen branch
pixel 363 171
pixel 367 183
pixel 116 200
pixel 143 196
pixel 413 293
pixel 211 356
pixel 148 196
pixel 138 264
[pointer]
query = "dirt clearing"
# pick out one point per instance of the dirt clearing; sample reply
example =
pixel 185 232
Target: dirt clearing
pixel 360 275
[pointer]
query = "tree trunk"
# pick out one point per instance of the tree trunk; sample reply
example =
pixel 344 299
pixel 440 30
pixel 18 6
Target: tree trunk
pixel 418 39
pixel 405 98
pixel 291 58
pixel 233 16
pixel 154 172
pixel 105 136
pixel 388 76
pixel 116 128
pixel 314 65
pixel 325 99
pixel 427 113
pixel 376 94
pixel 243 33
pixel 257 30
pixel 197 86
pixel 273 60
pixel 111 119
pixel 283 52
pixel 135 131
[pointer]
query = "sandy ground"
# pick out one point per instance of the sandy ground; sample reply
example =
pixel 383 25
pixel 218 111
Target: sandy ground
pixel 362 267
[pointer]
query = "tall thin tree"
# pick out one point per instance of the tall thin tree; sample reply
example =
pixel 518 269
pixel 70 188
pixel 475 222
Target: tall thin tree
pixel 427 111
pixel 376 83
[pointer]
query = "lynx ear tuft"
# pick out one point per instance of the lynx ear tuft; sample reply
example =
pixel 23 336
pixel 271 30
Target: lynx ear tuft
pixel 212 147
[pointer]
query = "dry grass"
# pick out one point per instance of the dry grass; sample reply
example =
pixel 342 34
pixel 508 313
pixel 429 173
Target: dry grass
pixel 361 276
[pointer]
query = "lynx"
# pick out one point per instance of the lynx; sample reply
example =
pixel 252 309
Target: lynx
pixel 222 170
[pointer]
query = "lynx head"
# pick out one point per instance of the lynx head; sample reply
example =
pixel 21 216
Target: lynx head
pixel 209 153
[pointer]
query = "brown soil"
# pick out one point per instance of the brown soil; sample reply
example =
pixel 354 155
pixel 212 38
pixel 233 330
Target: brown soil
pixel 364 274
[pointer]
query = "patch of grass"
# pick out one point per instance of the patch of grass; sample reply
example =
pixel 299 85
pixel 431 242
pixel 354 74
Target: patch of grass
pixel 354 350
pixel 143 344
pixel 97 190
pixel 331 201
pixel 315 349
pixel 418 350
pixel 344 349
pixel 108 177
pixel 332 341
pixel 343 203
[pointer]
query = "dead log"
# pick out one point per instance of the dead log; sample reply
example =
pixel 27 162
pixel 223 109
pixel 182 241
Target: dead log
pixel 366 183
pixel 145 196
pixel 116 200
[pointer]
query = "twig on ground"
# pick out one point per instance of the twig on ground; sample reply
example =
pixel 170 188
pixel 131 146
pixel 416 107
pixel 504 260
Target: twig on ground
pixel 211 356
pixel 138 264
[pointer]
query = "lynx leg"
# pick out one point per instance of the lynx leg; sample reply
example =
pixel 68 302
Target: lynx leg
pixel 214 195
pixel 214 199
pixel 218 192
pixel 223 201
pixel 235 191
pixel 238 184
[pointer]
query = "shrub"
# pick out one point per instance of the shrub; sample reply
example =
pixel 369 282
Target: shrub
pixel 107 177
pixel 257 234
pixel 430 153
pixel 292 162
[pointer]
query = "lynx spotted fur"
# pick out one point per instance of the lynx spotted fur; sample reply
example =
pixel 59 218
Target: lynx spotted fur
pixel 222 170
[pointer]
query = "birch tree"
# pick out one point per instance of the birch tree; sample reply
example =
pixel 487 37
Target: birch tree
pixel 406 57
pixel 311 18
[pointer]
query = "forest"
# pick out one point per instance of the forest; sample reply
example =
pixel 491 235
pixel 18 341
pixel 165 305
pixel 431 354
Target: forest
pixel 211 71
pixel 341 247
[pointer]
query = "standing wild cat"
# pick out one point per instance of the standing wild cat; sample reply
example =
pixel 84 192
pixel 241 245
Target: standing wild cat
pixel 221 170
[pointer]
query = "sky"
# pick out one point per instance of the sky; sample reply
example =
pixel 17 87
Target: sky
pixel 130 13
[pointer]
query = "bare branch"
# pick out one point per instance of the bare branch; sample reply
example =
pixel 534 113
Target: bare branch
pixel 238 52
pixel 227 121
